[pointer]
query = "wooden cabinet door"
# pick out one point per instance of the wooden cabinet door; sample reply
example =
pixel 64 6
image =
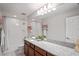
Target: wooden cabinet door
pixel 31 51
pixel 37 54
pixel 25 49
pixel 41 51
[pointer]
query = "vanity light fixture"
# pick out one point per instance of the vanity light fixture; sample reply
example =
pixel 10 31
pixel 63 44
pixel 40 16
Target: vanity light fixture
pixel 47 8
pixel 42 11
pixel 38 12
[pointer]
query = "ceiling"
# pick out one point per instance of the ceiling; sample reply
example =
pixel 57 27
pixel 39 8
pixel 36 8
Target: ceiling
pixel 61 9
pixel 12 9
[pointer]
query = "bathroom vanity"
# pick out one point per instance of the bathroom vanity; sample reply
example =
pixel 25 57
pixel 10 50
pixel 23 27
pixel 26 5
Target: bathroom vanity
pixel 33 50
pixel 33 47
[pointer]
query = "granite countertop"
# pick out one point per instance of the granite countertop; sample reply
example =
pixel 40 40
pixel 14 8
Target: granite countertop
pixel 54 48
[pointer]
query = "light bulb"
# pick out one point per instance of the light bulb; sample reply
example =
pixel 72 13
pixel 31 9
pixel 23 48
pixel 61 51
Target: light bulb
pixel 45 8
pixel 49 6
pixel 49 10
pixel 53 9
pixel 42 11
pixel 38 12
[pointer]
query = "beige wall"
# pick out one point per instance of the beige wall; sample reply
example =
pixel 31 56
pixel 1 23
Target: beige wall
pixel 57 25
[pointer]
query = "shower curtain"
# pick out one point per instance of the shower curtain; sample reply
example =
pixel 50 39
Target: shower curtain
pixel 4 47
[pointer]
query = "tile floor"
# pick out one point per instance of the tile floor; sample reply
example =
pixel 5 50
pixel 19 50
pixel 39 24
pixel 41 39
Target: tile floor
pixel 18 52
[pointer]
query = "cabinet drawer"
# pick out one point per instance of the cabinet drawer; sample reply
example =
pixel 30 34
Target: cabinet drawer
pixel 41 51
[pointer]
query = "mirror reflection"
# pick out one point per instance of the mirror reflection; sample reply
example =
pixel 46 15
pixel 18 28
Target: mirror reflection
pixel 37 29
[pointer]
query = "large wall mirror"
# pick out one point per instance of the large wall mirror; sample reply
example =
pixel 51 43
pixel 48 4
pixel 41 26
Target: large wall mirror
pixel 37 28
pixel 34 28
